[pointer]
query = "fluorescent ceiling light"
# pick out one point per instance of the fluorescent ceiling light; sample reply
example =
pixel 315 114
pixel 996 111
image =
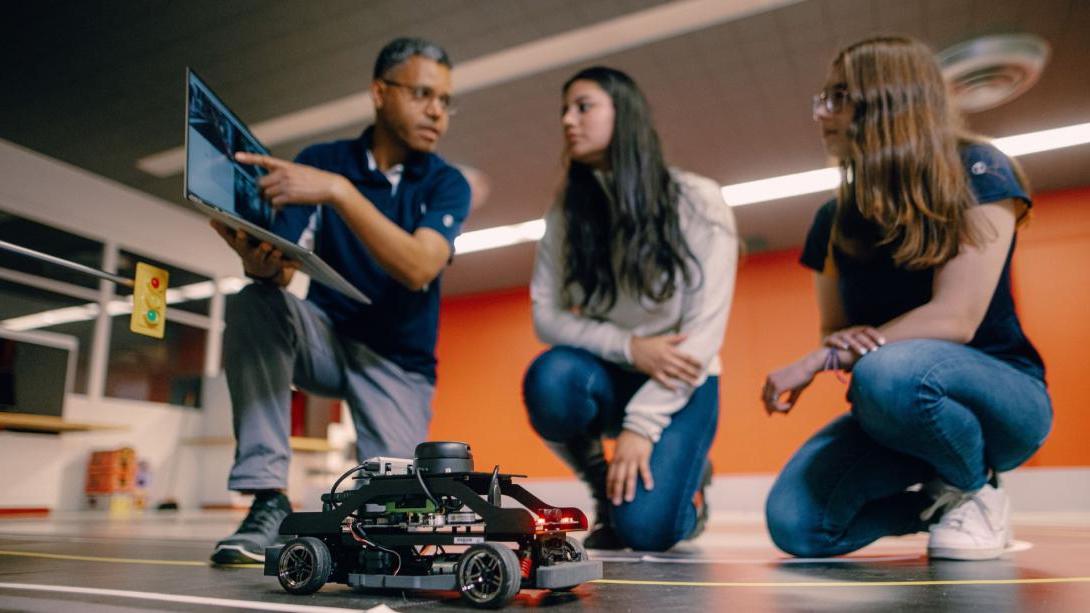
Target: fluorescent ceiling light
pixel 776 188
pixel 783 186
pixel 826 179
pixel 596 40
pixel 1045 140
pixel 501 236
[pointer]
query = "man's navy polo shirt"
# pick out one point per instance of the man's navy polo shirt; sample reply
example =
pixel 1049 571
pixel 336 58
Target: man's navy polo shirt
pixel 400 325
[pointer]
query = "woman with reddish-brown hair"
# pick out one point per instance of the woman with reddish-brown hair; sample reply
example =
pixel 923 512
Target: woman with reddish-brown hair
pixel 912 262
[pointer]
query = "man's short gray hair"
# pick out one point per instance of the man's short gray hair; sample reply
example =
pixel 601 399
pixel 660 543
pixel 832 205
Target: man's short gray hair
pixel 399 50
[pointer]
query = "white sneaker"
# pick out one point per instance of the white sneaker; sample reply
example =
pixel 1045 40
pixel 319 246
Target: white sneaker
pixel 976 525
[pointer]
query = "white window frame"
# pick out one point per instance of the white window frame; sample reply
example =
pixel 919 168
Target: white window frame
pixel 212 323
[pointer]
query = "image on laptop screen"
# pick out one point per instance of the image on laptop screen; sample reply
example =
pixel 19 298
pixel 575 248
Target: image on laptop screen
pixel 212 175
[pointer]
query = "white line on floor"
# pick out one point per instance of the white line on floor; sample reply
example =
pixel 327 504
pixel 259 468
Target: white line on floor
pixel 215 602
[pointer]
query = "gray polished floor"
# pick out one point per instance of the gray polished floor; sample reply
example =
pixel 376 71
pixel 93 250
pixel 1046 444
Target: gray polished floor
pixel 94 562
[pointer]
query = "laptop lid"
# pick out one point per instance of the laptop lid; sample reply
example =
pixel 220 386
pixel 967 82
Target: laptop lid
pixel 228 191
pixel 212 176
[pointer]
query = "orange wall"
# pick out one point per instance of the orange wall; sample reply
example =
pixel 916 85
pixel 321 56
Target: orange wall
pixel 486 343
pixel 1052 285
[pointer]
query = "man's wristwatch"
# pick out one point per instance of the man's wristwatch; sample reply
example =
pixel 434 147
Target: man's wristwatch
pixel 273 278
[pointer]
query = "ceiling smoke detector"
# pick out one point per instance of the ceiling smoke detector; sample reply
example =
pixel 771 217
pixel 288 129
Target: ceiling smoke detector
pixel 988 71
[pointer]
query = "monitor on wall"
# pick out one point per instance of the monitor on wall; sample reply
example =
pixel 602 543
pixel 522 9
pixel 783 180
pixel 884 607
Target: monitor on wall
pixel 36 371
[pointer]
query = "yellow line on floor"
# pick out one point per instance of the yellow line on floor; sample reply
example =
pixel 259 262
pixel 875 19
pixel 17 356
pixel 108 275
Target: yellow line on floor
pixel 59 556
pixel 856 584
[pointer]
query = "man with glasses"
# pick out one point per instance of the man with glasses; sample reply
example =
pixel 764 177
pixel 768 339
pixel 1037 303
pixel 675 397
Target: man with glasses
pixel 383 210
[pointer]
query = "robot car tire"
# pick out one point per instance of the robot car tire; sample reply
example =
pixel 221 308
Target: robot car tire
pixel 488 575
pixel 304 566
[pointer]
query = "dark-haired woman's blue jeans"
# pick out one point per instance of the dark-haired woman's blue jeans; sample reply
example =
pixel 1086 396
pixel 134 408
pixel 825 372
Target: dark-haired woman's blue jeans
pixel 571 394
pixel 920 409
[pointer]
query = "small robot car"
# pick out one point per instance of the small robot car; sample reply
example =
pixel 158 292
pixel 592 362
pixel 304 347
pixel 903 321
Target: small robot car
pixel 433 523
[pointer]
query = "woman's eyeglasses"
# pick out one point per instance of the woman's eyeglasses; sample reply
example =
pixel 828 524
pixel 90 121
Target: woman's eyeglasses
pixel 832 101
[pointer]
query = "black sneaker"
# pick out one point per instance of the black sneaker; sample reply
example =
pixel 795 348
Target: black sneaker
pixel 259 530
pixel 700 502
pixel 602 536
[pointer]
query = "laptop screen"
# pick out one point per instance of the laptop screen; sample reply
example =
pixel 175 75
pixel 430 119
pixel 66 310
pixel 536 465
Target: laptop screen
pixel 213 135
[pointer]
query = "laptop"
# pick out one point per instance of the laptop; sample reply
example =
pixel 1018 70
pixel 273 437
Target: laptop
pixel 227 191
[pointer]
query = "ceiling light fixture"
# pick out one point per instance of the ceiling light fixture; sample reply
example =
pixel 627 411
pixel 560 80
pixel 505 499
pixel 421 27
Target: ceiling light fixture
pixel 802 183
pixel 988 71
pixel 1044 140
pixel 500 236
pixel 783 186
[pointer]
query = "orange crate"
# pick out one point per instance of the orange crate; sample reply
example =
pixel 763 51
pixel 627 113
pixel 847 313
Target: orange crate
pixel 119 459
pixel 111 471
pixel 108 483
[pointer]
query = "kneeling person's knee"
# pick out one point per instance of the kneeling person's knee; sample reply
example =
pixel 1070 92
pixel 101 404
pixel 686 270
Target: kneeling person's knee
pixel 552 391
pixel 792 530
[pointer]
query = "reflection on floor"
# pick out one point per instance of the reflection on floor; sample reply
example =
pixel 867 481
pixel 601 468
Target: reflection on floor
pixel 159 562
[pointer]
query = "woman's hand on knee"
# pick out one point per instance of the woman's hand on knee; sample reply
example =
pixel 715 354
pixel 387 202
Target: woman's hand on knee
pixel 659 358
pixel 860 339
pixel 631 460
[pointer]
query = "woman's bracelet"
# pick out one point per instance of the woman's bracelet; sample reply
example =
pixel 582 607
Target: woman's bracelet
pixel 832 359
pixel 832 362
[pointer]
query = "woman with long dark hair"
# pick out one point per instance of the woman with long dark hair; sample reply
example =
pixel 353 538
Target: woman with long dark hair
pixel 632 285
pixel 913 284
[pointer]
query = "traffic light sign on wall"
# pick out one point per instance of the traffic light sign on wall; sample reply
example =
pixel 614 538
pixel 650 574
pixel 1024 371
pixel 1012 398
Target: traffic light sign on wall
pixel 149 301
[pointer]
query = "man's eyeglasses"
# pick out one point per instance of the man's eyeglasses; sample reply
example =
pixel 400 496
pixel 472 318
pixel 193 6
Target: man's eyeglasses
pixel 831 101
pixel 422 94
